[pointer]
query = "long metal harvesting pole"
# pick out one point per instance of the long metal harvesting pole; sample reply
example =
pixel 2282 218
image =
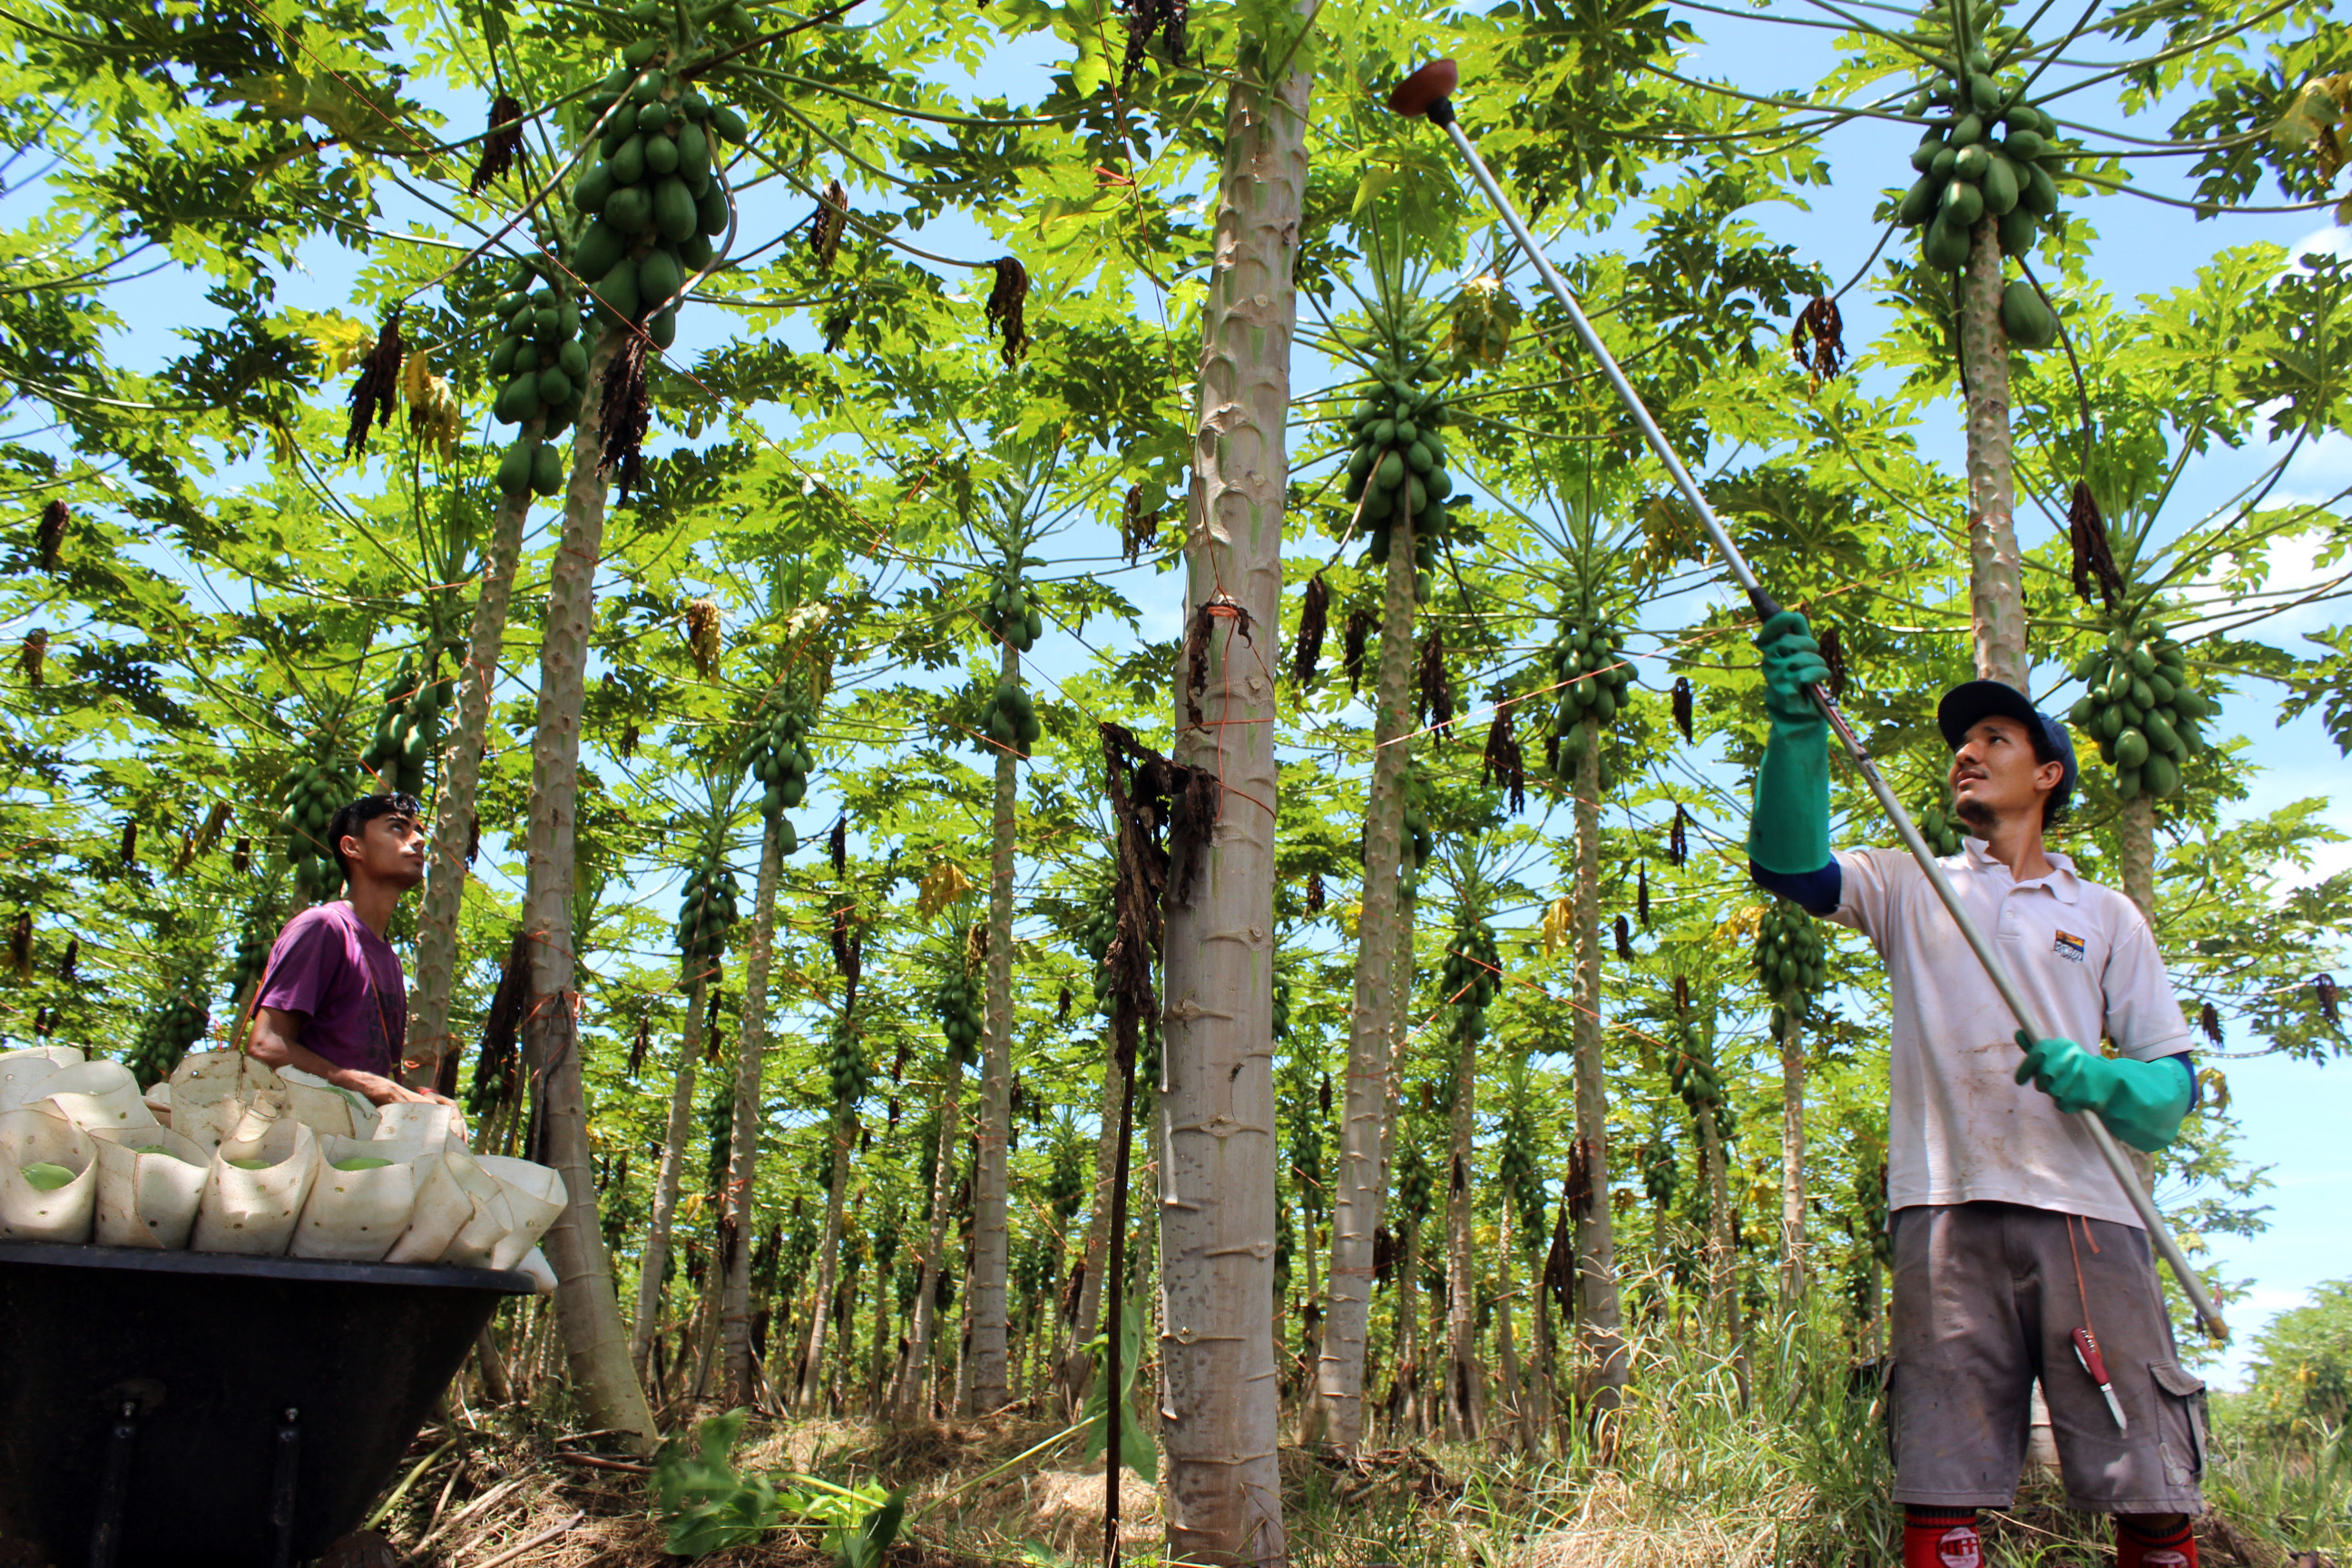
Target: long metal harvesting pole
pixel 1442 111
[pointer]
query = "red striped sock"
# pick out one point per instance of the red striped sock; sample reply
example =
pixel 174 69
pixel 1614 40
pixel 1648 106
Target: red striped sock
pixel 2137 1545
pixel 1942 1538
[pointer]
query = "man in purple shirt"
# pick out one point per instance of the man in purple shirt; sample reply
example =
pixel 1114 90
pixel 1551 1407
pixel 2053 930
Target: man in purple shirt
pixel 333 1002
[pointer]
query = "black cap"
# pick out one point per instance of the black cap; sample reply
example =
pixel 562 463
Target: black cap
pixel 1964 704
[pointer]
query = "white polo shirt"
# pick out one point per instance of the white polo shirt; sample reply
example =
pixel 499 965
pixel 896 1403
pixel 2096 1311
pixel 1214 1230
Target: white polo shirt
pixel 1959 1128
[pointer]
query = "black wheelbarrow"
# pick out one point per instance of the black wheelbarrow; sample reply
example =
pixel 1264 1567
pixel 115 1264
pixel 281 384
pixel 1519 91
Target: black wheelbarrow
pixel 205 1411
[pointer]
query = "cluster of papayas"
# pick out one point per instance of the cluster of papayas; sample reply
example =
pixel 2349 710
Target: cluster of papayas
pixel 2141 709
pixel 844 1068
pixel 1939 827
pixel 653 199
pixel 1589 662
pixel 779 757
pixel 164 1037
pixel 957 1003
pixel 542 369
pixel 1013 616
pixel 1396 464
pixel 1790 958
pixel 411 725
pixel 313 792
pixel 1690 1068
pixel 253 945
pixel 1471 972
pixel 1967 172
pixel 706 912
pixel 1418 843
pixel 1011 720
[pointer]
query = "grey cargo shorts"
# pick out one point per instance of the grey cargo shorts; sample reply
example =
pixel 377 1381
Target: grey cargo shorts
pixel 1986 1301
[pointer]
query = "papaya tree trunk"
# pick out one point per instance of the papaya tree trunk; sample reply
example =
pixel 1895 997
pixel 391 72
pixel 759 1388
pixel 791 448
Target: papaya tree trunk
pixel 454 794
pixel 1334 1416
pixel 1601 1318
pixel 1223 1490
pixel 595 1341
pixel 653 1262
pixel 1996 570
pixel 992 1242
pixel 1465 1381
pixel 1722 1288
pixel 914 1399
pixel 1792 1161
pixel 1506 1344
pixel 743 1140
pixel 828 1262
pixel 1408 1422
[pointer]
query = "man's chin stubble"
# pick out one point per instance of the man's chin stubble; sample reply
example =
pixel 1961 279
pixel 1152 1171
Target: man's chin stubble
pixel 1976 814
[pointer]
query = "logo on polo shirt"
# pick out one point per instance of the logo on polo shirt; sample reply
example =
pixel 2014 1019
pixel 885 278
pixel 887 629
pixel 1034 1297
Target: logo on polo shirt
pixel 2068 946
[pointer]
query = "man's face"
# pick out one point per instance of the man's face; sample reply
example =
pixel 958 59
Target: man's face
pixel 1994 777
pixel 388 849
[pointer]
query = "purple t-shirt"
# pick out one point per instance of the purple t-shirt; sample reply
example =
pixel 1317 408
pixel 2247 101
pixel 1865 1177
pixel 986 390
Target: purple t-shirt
pixel 328 964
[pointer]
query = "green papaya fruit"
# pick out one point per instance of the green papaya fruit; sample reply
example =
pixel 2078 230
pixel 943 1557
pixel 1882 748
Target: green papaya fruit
pixel 1962 203
pixel 694 252
pixel 618 290
pixel 1923 156
pixel 592 190
pixel 2000 185
pixel 1972 162
pixel 663 328
pixel 519 401
pixel 554 386
pixel 2131 749
pixel 693 151
pixel 2027 320
pixel 659 277
pixel 637 56
pixel 1416 458
pixel 661 156
pixel 619 127
pixel 1918 204
pixel 674 215
pixel 2160 778
pixel 1942 165
pixel 2024 146
pixel 2162 739
pixel 2039 193
pixel 1946 247
pixel 572 360
pixel 502 359
pixel 653 117
pixel 1986 94
pixel 711 210
pixel 1391 471
pixel 2017 229
pixel 600 248
pixel 44 1176
pixel 727 124
pixel 1968 131
pixel 514 469
pixel 628 164
pixel 547 469
pixel 648 86
pixel 630 210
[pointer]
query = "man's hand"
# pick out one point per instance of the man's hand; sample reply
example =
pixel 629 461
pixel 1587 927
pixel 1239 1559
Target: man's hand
pixel 1793 662
pixel 2141 1102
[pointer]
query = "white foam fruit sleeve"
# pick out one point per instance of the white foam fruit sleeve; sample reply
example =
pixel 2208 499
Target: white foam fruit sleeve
pixel 325 1108
pixel 40 1135
pixel 461 1211
pixel 254 1212
pixel 355 1216
pixel 23 1072
pixel 211 1091
pixel 95 1096
pixel 535 1198
pixel 150 1182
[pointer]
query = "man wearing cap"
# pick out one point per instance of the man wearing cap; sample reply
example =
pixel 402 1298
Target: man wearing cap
pixel 2010 1233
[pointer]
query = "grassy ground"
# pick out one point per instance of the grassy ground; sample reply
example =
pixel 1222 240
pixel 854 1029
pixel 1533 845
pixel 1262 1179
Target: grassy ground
pixel 1690 1472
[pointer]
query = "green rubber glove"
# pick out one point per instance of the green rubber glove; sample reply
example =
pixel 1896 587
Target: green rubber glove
pixel 2141 1102
pixel 1788 830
